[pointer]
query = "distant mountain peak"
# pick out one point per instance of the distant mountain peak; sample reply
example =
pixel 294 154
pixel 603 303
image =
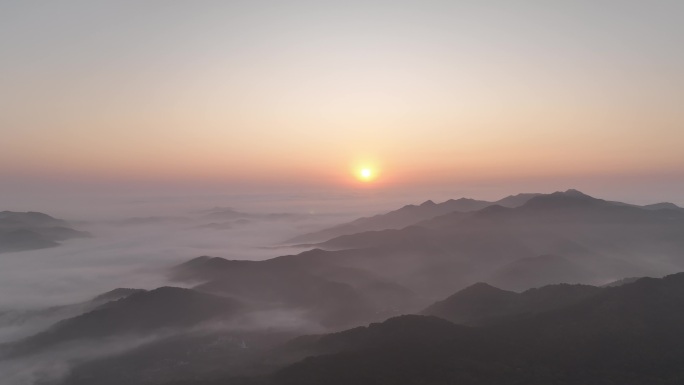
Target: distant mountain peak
pixel 34 214
pixel 428 202
pixel 480 287
pixel 197 261
pixel 517 200
pixel 472 303
pixel 461 200
pixel 662 206
pixel 576 193
pixel 118 293
pixel 559 199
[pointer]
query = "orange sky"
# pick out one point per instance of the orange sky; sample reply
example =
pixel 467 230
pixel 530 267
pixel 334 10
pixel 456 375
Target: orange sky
pixel 306 93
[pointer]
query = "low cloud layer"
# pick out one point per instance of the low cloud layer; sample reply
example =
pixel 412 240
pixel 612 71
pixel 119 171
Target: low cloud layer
pixel 137 239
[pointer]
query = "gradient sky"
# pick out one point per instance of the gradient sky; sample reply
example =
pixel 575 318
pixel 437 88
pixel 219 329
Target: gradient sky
pixel 294 93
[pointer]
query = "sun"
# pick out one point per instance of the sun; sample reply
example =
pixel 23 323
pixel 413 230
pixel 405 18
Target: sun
pixel 366 174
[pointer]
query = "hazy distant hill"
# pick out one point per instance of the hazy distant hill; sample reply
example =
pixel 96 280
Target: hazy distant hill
pixel 33 230
pixel 226 213
pixel 623 281
pixel 560 237
pixel 483 303
pixel 355 279
pixel 653 206
pixel 19 240
pixel 29 219
pixel 558 334
pixel 413 214
pixel 36 319
pixel 328 294
pixel 141 312
pixel 473 304
pixel 564 237
pixel 408 215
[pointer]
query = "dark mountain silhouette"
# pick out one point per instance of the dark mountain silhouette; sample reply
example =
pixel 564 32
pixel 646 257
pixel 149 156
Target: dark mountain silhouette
pixel 473 304
pixel 630 334
pixel 484 334
pixel 558 334
pixel 22 239
pixel 483 303
pixel 21 231
pixel 408 215
pixel 116 294
pixel 187 356
pixel 663 206
pixel 138 313
pixel 30 219
pixel 517 200
pixel 564 237
pixel 332 295
pixel 623 281
pixel 573 205
pixel 560 237
pixel 47 316
pixel 333 304
pixel 540 271
pixel 653 206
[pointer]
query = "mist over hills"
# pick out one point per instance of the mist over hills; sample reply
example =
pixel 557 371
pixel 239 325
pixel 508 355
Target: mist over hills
pixel 560 237
pixel 331 295
pixel 494 268
pixel 365 192
pixel 481 303
pixel 41 318
pixel 136 313
pixel 627 334
pixel 408 215
pixel 560 334
pixel 21 231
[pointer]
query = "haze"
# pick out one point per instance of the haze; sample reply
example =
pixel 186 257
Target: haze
pixel 248 94
pixel 271 192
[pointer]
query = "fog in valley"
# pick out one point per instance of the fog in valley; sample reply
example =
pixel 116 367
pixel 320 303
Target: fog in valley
pixel 132 244
pixel 156 289
pixel 307 192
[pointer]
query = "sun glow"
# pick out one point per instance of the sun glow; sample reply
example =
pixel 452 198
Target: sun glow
pixel 366 174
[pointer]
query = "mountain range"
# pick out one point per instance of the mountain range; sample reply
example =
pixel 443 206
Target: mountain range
pixel 533 289
pixel 30 230
pixel 564 237
pixel 559 334
pixel 409 215
pixel 629 334
pixel 138 313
